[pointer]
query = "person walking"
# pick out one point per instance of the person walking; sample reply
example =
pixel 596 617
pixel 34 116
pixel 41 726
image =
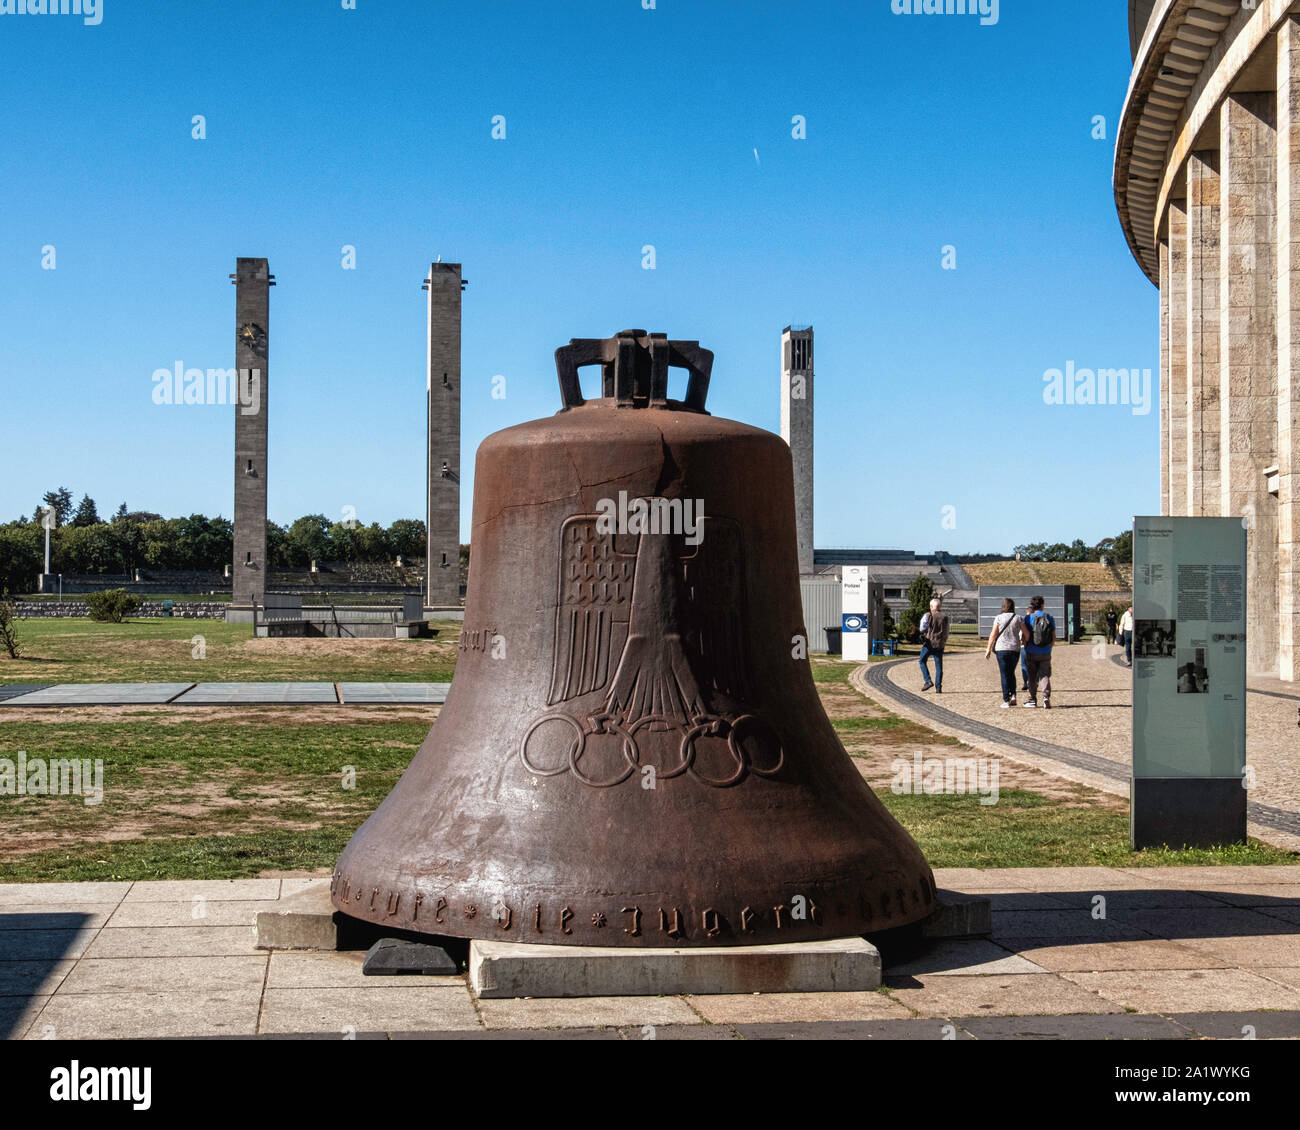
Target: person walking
pixel 934 637
pixel 1112 625
pixel 1126 633
pixel 1042 634
pixel 1006 638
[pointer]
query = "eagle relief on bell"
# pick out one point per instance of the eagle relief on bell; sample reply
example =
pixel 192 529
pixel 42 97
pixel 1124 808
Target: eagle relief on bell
pixel 632 751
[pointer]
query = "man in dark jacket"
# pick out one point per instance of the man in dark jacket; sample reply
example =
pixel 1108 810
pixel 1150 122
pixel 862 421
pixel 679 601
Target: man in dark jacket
pixel 934 638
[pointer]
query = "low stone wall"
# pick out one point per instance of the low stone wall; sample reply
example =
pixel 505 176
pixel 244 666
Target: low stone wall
pixel 79 609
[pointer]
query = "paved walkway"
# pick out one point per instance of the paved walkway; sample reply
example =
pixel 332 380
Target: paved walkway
pixel 1087 736
pixel 1180 952
pixel 219 694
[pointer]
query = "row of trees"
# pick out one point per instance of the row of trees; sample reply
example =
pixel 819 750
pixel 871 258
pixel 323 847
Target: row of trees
pixel 81 542
pixel 1119 549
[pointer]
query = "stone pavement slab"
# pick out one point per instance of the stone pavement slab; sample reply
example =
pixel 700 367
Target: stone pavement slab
pixel 185 890
pixel 1260 896
pixel 585 1012
pixel 1208 878
pixel 17 1015
pixel 1241 1025
pixel 1077 925
pixel 1150 953
pixel 1187 990
pixel 975 956
pixel 1094 880
pixel 173 941
pixel 26 894
pixel 296 970
pixel 256 694
pixel 923 1029
pixel 1100 1027
pixel 100 694
pixel 149 1015
pixel 1282 974
pixel 54 916
pixel 430 693
pixel 13 690
pixel 33 945
pixel 1015 898
pixel 1205 922
pixel 1121 901
pixel 1281 950
pixel 31 978
pixel 149 974
pixel 1017 995
pixel 198 911
pixel 770 1008
pixel 345 1010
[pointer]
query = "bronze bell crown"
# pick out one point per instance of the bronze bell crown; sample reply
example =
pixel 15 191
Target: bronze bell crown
pixel 633 752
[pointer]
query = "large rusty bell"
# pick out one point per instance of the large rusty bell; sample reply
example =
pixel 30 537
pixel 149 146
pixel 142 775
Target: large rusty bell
pixel 633 752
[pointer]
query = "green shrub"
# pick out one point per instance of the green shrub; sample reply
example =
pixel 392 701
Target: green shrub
pixel 919 593
pixel 8 629
pixel 110 605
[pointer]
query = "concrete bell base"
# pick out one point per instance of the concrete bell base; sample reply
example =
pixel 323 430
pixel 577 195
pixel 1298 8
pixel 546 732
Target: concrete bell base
pixel 959 916
pixel 510 969
pixel 305 920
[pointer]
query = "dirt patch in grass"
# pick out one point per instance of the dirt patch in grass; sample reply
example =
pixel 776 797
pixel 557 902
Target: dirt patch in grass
pixel 174 801
pixel 877 767
pixel 369 649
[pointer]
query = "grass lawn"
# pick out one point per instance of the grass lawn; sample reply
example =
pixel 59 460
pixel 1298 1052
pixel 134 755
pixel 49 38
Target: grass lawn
pixel 232 793
pixel 156 650
pixel 225 795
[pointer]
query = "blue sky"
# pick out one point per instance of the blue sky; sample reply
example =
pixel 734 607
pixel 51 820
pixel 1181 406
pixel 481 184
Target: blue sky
pixel 624 127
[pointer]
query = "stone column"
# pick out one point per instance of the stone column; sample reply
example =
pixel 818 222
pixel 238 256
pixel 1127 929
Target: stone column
pixel 1203 333
pixel 1248 352
pixel 1288 346
pixel 442 551
pixel 1164 376
pixel 1174 457
pixel 797 430
pixel 253 280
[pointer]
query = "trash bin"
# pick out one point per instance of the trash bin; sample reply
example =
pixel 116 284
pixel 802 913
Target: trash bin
pixel 834 640
pixel 167 609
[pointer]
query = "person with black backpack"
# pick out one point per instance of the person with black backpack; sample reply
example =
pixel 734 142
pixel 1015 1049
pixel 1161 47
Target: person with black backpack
pixel 1042 634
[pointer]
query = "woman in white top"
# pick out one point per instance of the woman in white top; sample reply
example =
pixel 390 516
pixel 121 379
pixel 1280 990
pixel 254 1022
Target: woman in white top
pixel 1006 639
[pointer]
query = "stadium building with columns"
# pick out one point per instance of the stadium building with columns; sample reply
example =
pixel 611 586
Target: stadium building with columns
pixel 1207 183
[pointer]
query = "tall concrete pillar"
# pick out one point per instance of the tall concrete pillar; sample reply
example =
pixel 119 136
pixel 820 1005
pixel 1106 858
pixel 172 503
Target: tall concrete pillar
pixel 1174 457
pixel 1288 347
pixel 1164 375
pixel 442 520
pixel 1248 352
pixel 1203 333
pixel 253 281
pixel 797 430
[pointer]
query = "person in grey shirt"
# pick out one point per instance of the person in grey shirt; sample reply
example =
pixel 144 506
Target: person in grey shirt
pixel 934 637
